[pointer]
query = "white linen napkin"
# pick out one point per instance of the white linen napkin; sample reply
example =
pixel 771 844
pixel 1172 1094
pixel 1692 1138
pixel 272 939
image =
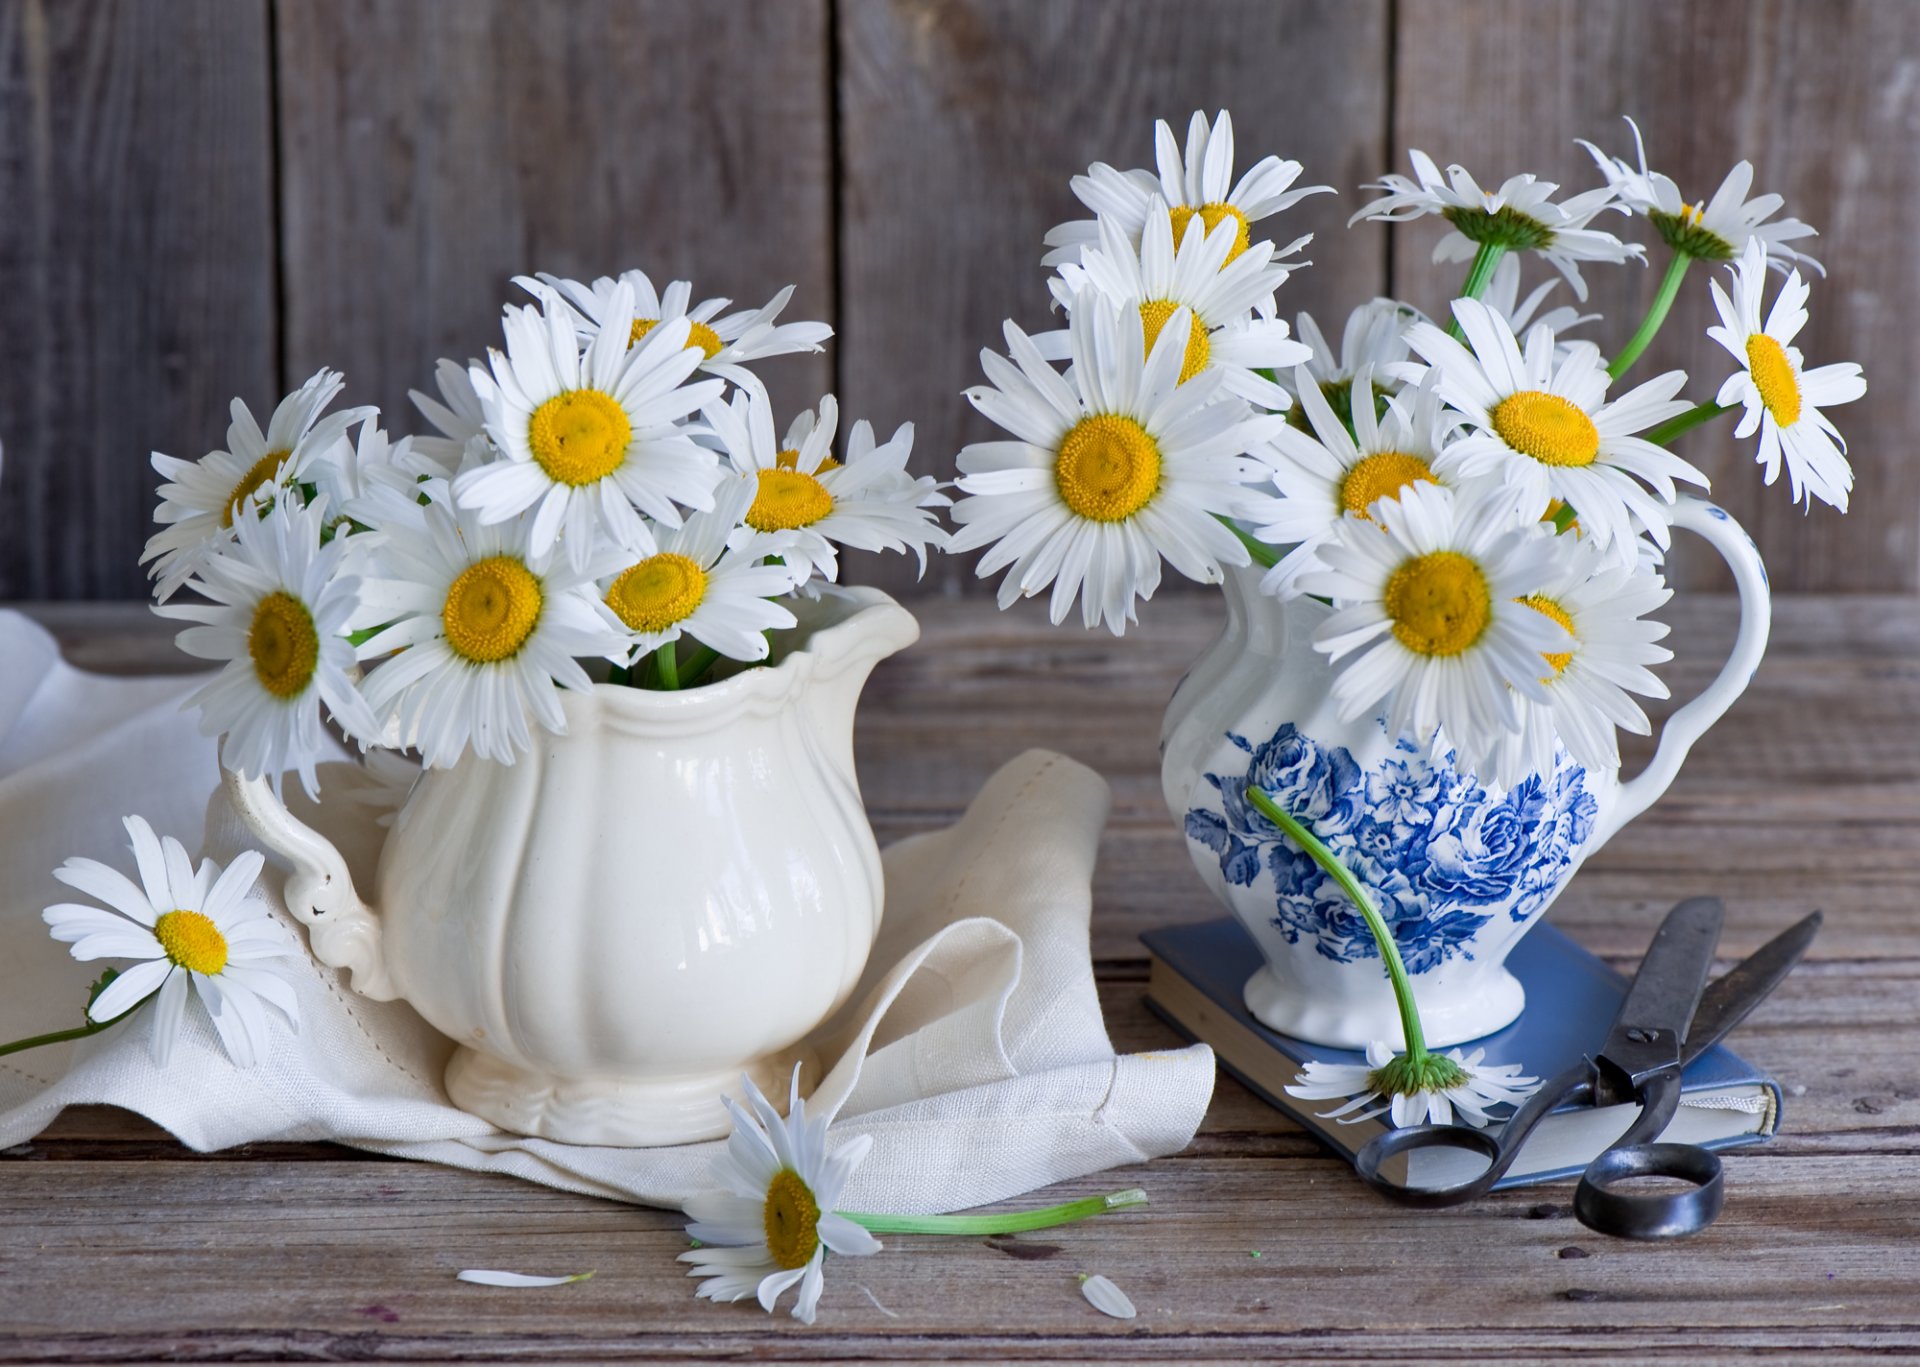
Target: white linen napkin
pixel 973 1051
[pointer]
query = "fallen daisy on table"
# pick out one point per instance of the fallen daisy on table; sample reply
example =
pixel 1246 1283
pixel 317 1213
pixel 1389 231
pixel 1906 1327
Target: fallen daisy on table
pixel 1469 1087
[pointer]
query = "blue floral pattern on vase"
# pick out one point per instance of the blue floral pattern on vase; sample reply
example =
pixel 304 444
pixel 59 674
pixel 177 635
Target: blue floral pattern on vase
pixel 1441 854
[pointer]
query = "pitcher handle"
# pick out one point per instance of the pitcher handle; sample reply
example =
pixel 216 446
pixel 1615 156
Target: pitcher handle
pixel 1712 524
pixel 319 892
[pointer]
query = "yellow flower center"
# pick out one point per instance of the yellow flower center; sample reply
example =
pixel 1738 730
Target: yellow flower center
pixel 787 499
pixel 658 592
pixel 789 459
pixel 491 610
pixel 1382 475
pixel 1153 317
pixel 698 334
pixel 1213 215
pixel 284 645
pixel 1439 603
pixel 263 470
pixel 1108 468
pixel 792 1220
pixel 579 437
pixel 192 941
pixel 1773 377
pixel 1553 430
pixel 1558 660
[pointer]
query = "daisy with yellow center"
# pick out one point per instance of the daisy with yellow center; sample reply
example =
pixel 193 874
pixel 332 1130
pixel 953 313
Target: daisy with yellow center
pixel 276 613
pixel 727 341
pixel 479 633
pixel 1336 472
pixel 200 498
pixel 1782 400
pixel 1542 421
pixel 589 442
pixel 806 503
pixel 1165 274
pixel 1113 467
pixel 1427 623
pixel 1198 185
pixel 687 583
pixel 771 1220
pixel 192 933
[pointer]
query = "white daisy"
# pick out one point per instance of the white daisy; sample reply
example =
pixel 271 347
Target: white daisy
pixel 197 505
pixel 457 415
pixel 1520 216
pixel 194 932
pixel 1543 422
pixel 1325 477
pixel 728 342
pixel 374 479
pixel 589 438
pixel 1375 336
pixel 1434 603
pixel 1486 1086
pixel 1503 297
pixel 1718 229
pixel 1602 604
pixel 1157 278
pixel 277 614
pixel 690 583
pixel 486 631
pixel 806 502
pixel 1107 473
pixel 1782 400
pixel 1200 184
pixel 772 1221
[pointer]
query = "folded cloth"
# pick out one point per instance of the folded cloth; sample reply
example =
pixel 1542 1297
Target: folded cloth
pixel 973 1051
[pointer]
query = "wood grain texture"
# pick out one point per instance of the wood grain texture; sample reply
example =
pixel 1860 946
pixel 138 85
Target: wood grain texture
pixel 1824 99
pixel 137 266
pixel 1803 796
pixel 430 152
pixel 963 120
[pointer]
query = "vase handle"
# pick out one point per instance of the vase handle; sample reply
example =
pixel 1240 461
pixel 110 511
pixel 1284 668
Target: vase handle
pixel 319 892
pixel 1713 525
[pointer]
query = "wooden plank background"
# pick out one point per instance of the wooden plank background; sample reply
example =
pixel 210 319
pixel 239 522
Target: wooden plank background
pixel 211 197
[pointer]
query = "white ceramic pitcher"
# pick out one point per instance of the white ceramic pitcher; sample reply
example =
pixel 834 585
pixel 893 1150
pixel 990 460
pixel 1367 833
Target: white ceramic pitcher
pixel 615 927
pixel 1460 869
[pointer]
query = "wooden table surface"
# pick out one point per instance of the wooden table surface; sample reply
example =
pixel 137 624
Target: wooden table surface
pixel 116 1244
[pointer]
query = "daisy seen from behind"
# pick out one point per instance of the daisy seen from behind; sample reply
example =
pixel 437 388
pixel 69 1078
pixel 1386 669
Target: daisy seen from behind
pixel 1427 614
pixel 277 613
pixel 1110 473
pixel 478 634
pixel 1783 400
pixel 194 932
pixel 770 1221
pixel 197 503
pixel 1374 336
pixel 1542 422
pixel 586 439
pixel 1485 1086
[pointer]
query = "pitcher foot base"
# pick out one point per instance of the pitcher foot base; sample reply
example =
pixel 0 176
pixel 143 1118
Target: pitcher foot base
pixel 629 1113
pixel 1494 1003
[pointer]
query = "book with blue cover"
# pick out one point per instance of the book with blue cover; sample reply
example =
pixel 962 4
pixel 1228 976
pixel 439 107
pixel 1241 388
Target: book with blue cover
pixel 1198 972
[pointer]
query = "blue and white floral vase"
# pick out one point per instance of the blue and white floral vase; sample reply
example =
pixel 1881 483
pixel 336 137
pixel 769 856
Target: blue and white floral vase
pixel 1460 867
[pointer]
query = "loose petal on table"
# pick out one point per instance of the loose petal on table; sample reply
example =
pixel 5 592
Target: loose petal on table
pixel 1107 1298
pixel 481 1276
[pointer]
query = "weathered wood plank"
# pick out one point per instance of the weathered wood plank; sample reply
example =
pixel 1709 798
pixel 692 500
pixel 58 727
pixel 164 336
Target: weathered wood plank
pixel 431 152
pixel 137 262
pixel 962 121
pixel 1821 98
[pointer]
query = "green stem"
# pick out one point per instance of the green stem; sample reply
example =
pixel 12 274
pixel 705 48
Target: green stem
pixel 1263 554
pixel 92 1027
pixel 1565 518
pixel 1656 315
pixel 1017 1222
pixel 667 664
pixel 1389 951
pixel 1686 422
pixel 697 664
pixel 1479 276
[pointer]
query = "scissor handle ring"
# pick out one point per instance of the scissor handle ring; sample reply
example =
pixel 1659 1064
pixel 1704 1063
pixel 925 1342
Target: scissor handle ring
pixel 1392 1143
pixel 1645 1215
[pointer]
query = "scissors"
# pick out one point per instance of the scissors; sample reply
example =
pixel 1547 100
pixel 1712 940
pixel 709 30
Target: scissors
pixel 1669 1017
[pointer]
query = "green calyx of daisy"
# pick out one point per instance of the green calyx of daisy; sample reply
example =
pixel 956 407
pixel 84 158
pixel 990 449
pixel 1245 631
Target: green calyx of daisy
pixel 1339 397
pixel 1504 227
pixel 1686 234
pixel 1406 1075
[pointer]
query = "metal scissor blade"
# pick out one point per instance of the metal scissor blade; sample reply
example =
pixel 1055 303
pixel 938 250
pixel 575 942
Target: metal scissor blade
pixel 1659 1006
pixel 1731 996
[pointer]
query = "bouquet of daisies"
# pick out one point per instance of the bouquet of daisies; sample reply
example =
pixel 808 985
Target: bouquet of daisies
pixel 1482 502
pixel 606 488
